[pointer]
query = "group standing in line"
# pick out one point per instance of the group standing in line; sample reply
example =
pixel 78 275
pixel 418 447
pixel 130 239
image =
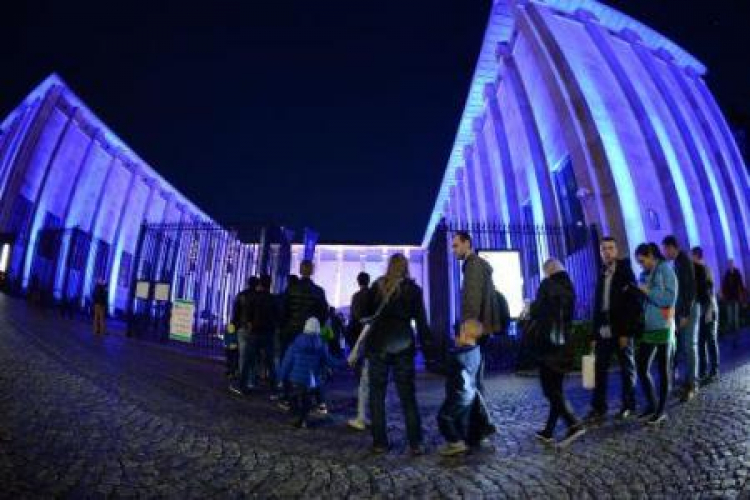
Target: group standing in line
pixel 668 314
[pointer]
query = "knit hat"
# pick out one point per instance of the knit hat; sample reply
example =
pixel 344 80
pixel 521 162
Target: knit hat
pixel 312 327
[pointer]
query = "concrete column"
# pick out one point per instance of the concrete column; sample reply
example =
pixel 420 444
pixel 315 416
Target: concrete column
pixel 731 190
pixel 583 140
pixel 678 209
pixel 464 190
pixel 65 248
pixel 540 166
pixel 489 200
pixel 17 169
pixel 503 175
pixel 115 256
pixel 92 227
pixel 715 225
pixel 37 214
pixel 476 185
pixel 16 135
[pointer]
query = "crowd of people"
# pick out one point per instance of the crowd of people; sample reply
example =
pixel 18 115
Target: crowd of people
pixel 669 313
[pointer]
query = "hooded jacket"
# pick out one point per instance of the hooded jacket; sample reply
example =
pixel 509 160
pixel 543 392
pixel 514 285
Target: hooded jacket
pixel 661 298
pixel 307 356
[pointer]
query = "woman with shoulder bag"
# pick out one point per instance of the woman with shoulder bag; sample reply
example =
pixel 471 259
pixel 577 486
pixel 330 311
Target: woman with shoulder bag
pixel 553 313
pixel 390 347
pixel 659 292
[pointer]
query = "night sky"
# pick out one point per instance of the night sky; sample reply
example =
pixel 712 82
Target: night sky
pixel 337 115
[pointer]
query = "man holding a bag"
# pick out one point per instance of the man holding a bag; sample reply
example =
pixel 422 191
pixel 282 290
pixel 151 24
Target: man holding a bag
pixel 615 311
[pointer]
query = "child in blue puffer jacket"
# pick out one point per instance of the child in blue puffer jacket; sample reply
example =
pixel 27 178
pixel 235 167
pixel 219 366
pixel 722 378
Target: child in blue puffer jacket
pixel 303 366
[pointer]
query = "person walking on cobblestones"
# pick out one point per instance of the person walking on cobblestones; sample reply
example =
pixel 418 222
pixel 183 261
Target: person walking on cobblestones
pixel 614 328
pixel 658 290
pixel 242 322
pixel 478 303
pixel 303 299
pixel 390 347
pixel 708 342
pixel 265 319
pixel 553 311
pixel 100 300
pixel 733 294
pixel 303 366
pixel 688 313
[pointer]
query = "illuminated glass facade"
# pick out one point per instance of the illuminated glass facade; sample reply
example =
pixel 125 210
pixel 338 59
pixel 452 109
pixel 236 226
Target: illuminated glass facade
pixel 577 111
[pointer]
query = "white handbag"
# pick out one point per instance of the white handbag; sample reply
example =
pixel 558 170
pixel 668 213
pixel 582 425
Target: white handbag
pixel 588 371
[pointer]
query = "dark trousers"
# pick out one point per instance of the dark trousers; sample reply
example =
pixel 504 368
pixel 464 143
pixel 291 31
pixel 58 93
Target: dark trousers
pixel 708 349
pixel 605 349
pixel 552 387
pixel 248 370
pixel 266 354
pixel 301 399
pixel 646 354
pixel 454 419
pixel 402 366
pixel 233 361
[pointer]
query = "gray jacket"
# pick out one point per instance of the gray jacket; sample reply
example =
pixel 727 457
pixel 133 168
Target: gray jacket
pixel 478 296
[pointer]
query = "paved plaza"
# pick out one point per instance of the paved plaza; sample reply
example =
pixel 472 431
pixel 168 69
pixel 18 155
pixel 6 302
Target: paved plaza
pixel 84 418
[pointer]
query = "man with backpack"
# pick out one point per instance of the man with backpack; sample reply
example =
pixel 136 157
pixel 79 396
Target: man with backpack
pixel 479 302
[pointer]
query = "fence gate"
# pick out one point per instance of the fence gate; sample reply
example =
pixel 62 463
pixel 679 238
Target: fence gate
pixel 202 266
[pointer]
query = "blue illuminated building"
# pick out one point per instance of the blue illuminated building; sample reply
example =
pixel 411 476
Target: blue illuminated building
pixel 74 197
pixel 578 114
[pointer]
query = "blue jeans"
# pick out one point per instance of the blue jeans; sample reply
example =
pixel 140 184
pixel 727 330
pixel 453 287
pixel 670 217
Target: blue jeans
pixel 687 346
pixel 453 419
pixel 402 366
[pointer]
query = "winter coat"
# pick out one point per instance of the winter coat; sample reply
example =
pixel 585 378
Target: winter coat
pixel 242 314
pixel 392 331
pixel 623 304
pixel 478 297
pixel 552 310
pixel 685 271
pixel 305 360
pixel 661 298
pixel 302 300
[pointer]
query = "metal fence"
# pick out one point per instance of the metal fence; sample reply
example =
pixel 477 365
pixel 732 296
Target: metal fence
pixel 205 266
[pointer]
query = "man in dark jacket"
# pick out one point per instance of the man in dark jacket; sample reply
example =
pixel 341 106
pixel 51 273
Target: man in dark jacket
pixel 733 295
pixel 708 345
pixel 242 316
pixel 358 309
pixel 265 320
pixel 303 300
pixel 478 303
pixel 687 313
pixel 615 311
pixel 478 299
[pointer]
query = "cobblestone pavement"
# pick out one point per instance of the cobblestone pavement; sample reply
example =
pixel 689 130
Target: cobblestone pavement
pixel 86 418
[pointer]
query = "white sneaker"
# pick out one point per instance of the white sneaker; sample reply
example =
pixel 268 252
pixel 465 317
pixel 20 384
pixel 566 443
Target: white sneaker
pixel 357 424
pixel 451 449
